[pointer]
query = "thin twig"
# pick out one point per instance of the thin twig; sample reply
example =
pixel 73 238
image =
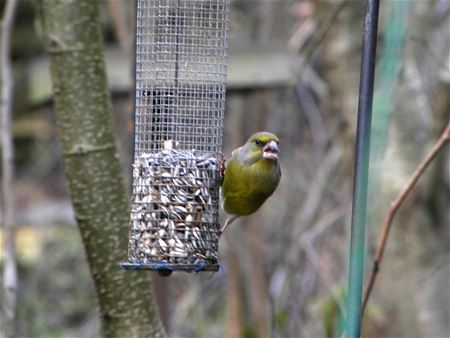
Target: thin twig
pixel 394 207
pixel 307 241
pixel 320 34
pixel 305 215
pixel 329 281
pixel 119 23
pixel 430 51
pixel 324 223
pixel 9 266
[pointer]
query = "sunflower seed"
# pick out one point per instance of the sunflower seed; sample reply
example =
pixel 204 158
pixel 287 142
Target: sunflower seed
pixel 174 214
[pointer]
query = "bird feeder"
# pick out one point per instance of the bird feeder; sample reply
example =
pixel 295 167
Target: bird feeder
pixel 181 52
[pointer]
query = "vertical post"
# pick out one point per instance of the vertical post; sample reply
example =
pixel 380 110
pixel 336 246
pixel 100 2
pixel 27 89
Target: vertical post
pixel 360 183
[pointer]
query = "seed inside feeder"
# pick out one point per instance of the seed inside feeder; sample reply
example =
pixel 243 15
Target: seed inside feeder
pixel 174 216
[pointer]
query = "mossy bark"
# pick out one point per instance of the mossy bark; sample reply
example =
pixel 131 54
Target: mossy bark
pixel 73 40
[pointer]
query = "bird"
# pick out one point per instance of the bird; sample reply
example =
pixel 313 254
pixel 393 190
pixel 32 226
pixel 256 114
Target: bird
pixel 251 175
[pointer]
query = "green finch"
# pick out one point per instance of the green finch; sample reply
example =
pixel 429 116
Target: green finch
pixel 251 176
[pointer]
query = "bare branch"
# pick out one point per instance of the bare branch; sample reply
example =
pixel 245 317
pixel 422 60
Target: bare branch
pixel 10 267
pixel 120 26
pixel 320 34
pixel 395 206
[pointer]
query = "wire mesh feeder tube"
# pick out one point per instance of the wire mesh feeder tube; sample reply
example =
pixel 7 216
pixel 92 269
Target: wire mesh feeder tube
pixel 181 49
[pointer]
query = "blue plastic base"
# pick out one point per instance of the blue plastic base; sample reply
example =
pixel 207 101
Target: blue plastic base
pixel 163 266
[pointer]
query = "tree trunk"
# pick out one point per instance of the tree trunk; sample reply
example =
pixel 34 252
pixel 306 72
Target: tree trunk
pixel 74 43
pixel 234 300
pixel 258 288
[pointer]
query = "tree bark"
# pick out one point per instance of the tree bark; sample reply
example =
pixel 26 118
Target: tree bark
pixel 234 302
pixel 258 278
pixel 73 41
pixel 9 275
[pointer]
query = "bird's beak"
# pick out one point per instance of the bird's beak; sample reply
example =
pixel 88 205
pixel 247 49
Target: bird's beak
pixel 271 150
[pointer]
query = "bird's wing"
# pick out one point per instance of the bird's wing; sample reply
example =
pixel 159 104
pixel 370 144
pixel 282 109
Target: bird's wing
pixel 235 181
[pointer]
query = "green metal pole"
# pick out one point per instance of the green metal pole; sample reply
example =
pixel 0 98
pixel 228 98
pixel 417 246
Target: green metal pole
pixel 360 184
pixel 387 74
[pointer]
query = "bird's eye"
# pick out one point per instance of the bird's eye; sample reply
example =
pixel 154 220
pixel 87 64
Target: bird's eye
pixel 258 142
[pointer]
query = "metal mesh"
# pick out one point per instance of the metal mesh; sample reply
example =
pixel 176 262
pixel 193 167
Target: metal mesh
pixel 181 73
pixel 181 49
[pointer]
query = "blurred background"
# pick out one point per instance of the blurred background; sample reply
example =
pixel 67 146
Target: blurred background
pixel 293 70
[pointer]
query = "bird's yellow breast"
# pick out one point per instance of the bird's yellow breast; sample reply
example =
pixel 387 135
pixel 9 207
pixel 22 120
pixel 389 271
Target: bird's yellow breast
pixel 246 187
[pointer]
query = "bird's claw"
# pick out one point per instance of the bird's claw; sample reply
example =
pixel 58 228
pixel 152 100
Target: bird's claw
pixel 223 165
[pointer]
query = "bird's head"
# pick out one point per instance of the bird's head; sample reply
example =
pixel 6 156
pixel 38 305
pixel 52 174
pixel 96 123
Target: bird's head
pixel 261 145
